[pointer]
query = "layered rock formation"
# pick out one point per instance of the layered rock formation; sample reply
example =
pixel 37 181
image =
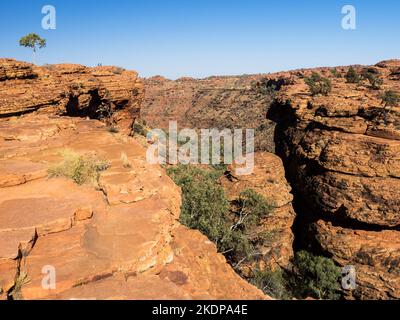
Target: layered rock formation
pixel 343 161
pixel 215 102
pixel 340 157
pixel 75 90
pixel 232 102
pixel 120 239
pixel 267 179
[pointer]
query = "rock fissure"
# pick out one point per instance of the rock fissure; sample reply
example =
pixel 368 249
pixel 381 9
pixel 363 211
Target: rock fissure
pixel 119 241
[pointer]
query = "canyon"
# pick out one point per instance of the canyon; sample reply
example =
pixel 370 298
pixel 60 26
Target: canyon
pixel 329 166
pixel 118 240
pixel 340 157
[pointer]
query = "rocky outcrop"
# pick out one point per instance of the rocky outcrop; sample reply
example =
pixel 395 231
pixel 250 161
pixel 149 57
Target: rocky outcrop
pixel 121 240
pixel 215 102
pixel 267 179
pixel 343 163
pixel 75 90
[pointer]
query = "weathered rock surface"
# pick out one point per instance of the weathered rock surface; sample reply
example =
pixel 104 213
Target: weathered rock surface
pixel 120 241
pixel 268 179
pixel 343 161
pixel 109 92
pixel 376 255
pixel 214 102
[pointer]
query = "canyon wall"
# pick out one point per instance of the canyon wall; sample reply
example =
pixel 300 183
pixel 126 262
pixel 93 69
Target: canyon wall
pixel 116 239
pixel 343 162
pixel 70 89
pixel 215 102
pixel 341 158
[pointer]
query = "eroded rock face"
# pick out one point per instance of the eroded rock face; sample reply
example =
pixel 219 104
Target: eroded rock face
pixel 214 102
pixel 268 179
pixel 76 90
pixel 120 241
pixel 343 161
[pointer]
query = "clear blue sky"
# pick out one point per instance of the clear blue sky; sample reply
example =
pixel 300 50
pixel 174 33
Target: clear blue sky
pixel 204 37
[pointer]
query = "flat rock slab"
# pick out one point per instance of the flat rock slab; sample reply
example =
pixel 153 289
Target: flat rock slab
pixel 109 242
pixel 16 172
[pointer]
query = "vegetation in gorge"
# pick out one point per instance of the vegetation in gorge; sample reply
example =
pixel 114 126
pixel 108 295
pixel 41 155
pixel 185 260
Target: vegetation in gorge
pixel 232 229
pixel 206 208
pixel 315 276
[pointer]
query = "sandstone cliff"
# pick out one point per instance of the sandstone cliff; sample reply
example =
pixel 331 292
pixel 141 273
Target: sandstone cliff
pixel 267 179
pixel 74 90
pixel 120 239
pixel 340 157
pixel 215 102
pixel 342 160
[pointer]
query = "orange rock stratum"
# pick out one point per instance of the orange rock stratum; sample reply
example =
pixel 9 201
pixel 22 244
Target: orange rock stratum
pixel 119 240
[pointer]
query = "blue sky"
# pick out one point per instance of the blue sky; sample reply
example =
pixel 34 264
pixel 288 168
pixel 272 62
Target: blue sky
pixel 199 38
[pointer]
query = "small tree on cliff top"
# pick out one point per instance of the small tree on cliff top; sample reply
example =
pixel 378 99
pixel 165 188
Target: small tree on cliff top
pixel 390 99
pixel 34 42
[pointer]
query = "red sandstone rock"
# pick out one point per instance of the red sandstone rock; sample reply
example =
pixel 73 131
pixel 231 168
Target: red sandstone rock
pixel 71 89
pixel 122 241
pixel 268 179
pixel 344 162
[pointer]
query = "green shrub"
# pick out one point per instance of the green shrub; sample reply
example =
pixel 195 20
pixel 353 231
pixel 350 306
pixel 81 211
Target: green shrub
pixel 204 206
pixel 336 73
pixel 318 84
pixel 112 129
pixel 390 99
pixel 373 78
pixel 251 208
pixel 140 129
pixel 316 276
pixel 352 76
pixel 83 169
pixel 272 283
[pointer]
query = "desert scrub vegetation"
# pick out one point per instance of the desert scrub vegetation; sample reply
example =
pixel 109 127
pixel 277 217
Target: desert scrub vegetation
pixel 318 85
pixel 205 208
pixel 315 276
pixel 118 70
pixel 352 76
pixel 125 161
pixel 390 99
pixel 336 73
pixel 112 129
pixel 233 228
pixel 273 283
pixel 372 76
pixel 139 128
pixel 310 276
pixel 204 205
pixel 21 280
pixel 81 168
